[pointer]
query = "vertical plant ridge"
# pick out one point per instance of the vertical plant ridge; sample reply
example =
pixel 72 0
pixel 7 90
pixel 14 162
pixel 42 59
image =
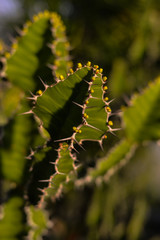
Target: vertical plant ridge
pixel 60 48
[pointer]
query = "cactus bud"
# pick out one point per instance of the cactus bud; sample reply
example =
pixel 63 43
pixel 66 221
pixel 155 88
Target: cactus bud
pixel 71 70
pixel 74 129
pixel 104 78
pixel 106 99
pixel 96 66
pixel 88 64
pixel 92 91
pixel 110 123
pixel 105 88
pixel 108 109
pixel 79 65
pixel 39 92
pixel 61 77
pixel 85 115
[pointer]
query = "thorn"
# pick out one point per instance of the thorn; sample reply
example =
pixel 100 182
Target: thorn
pixel 111 100
pixel 93 127
pixel 45 85
pixel 101 146
pixel 115 129
pixel 89 83
pixel 96 97
pixel 79 105
pixel 32 152
pixel 118 113
pixel 68 148
pixel 52 67
pixel 30 155
pixel 32 98
pixel 53 162
pixel 75 149
pixel 41 190
pixel 78 166
pixel 60 173
pixel 63 139
pixel 29 112
pixel 44 180
pixel 79 144
pixel 32 94
pixel 113 133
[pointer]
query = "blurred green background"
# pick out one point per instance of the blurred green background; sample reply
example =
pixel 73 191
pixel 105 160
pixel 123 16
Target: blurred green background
pixel 123 37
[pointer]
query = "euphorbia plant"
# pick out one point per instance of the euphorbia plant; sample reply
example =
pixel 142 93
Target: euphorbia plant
pixel 51 106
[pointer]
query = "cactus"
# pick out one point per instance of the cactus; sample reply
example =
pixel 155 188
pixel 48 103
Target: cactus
pixel 53 105
pixel 82 114
pixel 55 115
pixel 141 120
pixel 40 51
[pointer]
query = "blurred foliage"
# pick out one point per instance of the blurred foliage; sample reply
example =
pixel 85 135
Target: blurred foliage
pixel 12 217
pixel 124 38
pixel 9 100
